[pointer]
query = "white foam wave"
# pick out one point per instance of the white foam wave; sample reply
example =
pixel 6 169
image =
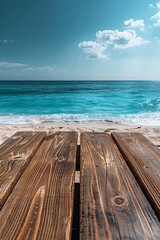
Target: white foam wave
pixel 33 119
pixel 145 119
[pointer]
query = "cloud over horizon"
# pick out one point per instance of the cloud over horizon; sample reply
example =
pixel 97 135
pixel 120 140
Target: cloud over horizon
pixel 11 70
pixel 93 49
pixel 11 65
pixel 130 23
pixel 111 38
pixel 119 39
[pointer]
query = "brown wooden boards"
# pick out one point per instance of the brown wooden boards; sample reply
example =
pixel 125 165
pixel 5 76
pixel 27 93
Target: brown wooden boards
pixel 113 205
pixel 15 154
pixel 144 160
pixel 40 206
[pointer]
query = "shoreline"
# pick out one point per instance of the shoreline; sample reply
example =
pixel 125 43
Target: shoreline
pixel 151 132
pixel 143 119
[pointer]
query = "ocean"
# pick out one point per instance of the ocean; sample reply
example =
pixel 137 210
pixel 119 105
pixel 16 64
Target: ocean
pixel 131 102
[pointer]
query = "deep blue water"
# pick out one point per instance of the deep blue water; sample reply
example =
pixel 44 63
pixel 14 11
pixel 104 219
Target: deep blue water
pixel 126 101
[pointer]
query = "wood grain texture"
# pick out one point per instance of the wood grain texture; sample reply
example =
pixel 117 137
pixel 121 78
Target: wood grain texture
pixel 113 205
pixel 40 206
pixel 15 154
pixel 143 158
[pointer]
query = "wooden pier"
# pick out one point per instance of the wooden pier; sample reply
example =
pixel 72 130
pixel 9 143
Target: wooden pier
pixel 117 197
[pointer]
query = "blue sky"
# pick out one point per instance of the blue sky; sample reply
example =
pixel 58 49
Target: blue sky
pixel 76 40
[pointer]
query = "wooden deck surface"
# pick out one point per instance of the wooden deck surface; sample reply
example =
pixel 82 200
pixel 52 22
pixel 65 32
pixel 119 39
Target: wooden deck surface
pixel 15 155
pixel 112 204
pixel 143 157
pixel 40 206
pixel 119 187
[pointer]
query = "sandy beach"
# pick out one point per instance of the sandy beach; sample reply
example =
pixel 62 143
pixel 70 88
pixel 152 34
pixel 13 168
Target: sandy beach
pixel 151 132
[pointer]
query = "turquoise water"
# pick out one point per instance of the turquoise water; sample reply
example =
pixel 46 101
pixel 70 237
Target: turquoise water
pixel 133 102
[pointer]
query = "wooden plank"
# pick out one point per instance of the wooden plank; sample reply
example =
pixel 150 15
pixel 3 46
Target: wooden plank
pixel 15 154
pixel 113 205
pixel 40 207
pixel 143 157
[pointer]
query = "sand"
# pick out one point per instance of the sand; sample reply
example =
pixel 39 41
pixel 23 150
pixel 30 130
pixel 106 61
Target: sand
pixel 151 132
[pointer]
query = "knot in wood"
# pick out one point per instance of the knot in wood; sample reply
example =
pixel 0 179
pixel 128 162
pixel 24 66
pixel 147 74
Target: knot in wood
pixel 118 200
pixel 145 167
pixel 60 158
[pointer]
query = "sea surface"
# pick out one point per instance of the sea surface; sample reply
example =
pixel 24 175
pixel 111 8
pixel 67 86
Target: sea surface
pixel 131 102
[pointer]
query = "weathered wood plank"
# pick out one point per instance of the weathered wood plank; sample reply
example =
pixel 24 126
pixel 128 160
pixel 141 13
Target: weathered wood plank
pixel 113 205
pixel 143 157
pixel 15 154
pixel 40 206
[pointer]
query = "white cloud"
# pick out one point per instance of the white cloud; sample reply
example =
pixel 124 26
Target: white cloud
pixel 111 38
pixel 44 71
pixel 151 5
pixel 157 5
pixel 6 41
pixel 93 49
pixel 25 72
pixel 156 18
pixel 11 65
pixel 130 23
pixel 119 39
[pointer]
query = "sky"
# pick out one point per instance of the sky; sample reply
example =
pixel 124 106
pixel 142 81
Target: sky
pixel 79 40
